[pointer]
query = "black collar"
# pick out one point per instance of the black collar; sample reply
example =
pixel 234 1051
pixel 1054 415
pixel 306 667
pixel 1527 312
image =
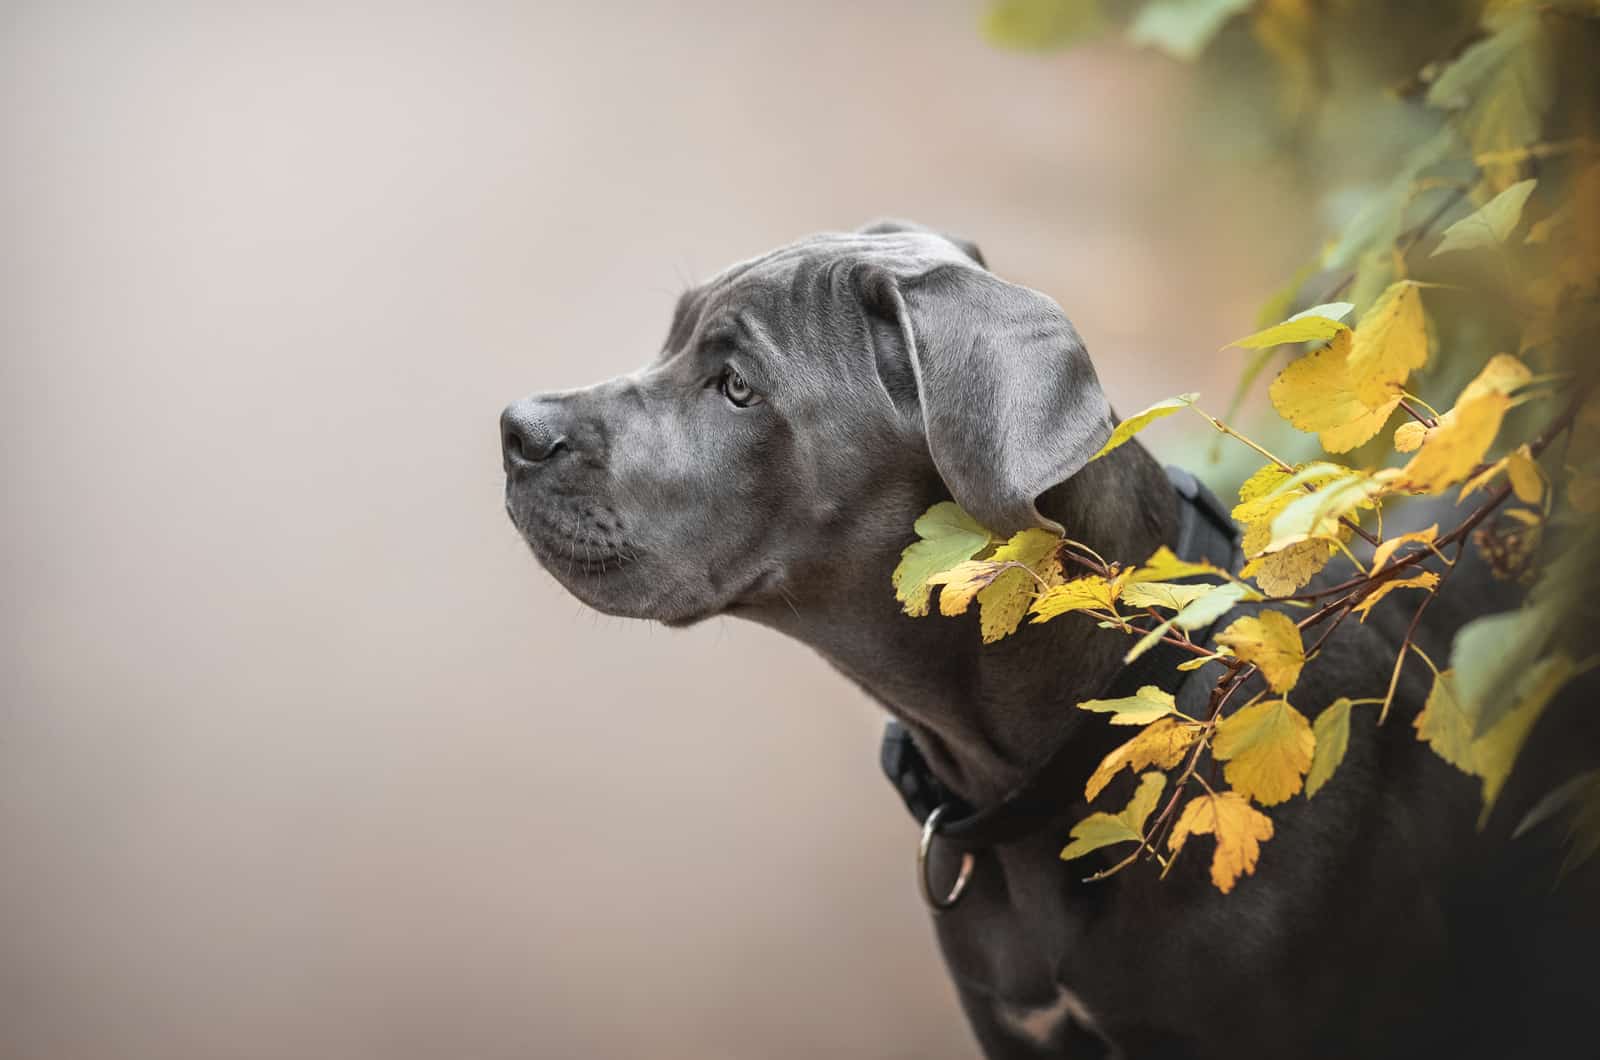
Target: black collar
pixel 1205 532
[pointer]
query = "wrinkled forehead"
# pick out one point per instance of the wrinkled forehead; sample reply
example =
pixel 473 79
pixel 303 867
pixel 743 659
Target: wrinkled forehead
pixel 793 284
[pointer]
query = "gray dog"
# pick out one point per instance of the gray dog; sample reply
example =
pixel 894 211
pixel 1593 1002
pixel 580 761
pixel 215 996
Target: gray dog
pixel 807 406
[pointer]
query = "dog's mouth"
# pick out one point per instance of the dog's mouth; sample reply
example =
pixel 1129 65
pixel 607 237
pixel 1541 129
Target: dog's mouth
pixel 572 550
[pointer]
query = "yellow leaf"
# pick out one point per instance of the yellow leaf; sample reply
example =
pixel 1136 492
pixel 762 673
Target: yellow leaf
pixel 1103 829
pixel 1451 450
pixel 1268 748
pixel 1390 342
pixel 1141 708
pixel 962 582
pixel 1239 828
pixel 1140 420
pixel 1281 573
pixel 1089 593
pixel 1445 726
pixel 1426 580
pixel 947 536
pixel 1313 325
pixel 1160 744
pixel 1318 393
pixel 1457 445
pixel 1480 480
pixel 1003 602
pixel 1164 565
pixel 1332 733
pixel 1272 642
pixel 1503 374
pixel 1382 554
pixel 1527 481
pixel 1408 436
pixel 1319 512
pixel 1169 595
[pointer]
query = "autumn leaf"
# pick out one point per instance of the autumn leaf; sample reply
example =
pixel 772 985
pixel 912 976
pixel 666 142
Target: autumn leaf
pixel 1527 481
pixel 1391 341
pixel 1267 747
pixel 1088 593
pixel 961 583
pixel 1203 610
pixel 1141 708
pixel 1003 602
pixel 1140 420
pixel 1408 437
pixel 1481 479
pixel 1445 726
pixel 1426 580
pixel 1103 829
pixel 1319 513
pixel 1318 393
pixel 1312 325
pixel 1382 554
pixel 948 536
pixel 1169 595
pixel 1491 224
pixel 1272 642
pixel 1451 450
pixel 1283 572
pixel 1164 565
pixel 1239 828
pixel 1332 733
pixel 1160 744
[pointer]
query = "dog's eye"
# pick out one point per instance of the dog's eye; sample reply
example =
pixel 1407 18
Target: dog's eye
pixel 736 390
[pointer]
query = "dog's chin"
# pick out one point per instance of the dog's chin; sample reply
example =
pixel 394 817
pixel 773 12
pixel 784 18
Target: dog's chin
pixel 623 584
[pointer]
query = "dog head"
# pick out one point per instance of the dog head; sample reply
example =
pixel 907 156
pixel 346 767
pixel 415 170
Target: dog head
pixel 806 405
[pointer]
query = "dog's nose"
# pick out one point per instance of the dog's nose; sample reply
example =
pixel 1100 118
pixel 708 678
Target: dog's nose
pixel 527 435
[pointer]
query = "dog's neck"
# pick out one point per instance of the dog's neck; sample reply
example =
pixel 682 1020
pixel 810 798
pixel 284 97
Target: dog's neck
pixel 984 715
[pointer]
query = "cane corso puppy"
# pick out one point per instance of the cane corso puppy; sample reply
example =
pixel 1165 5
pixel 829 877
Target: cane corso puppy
pixel 805 408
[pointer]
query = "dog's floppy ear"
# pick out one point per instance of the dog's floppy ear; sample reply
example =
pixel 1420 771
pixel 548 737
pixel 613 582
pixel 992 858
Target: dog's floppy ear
pixel 891 224
pixel 1009 401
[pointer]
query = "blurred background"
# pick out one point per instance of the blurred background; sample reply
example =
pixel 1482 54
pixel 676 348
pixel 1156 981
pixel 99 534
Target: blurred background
pixel 301 755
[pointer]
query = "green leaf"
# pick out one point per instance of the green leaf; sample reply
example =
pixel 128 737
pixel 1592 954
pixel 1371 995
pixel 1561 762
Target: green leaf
pixel 948 536
pixel 1183 28
pixel 1573 790
pixel 1491 224
pixel 1103 829
pixel 1141 708
pixel 1332 732
pixel 1490 653
pixel 1500 89
pixel 1140 420
pixel 1040 25
pixel 1312 325
pixel 1201 611
pixel 1496 750
pixel 1446 724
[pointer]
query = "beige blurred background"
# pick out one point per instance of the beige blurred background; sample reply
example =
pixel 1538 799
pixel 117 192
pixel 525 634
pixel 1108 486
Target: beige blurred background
pixel 301 756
